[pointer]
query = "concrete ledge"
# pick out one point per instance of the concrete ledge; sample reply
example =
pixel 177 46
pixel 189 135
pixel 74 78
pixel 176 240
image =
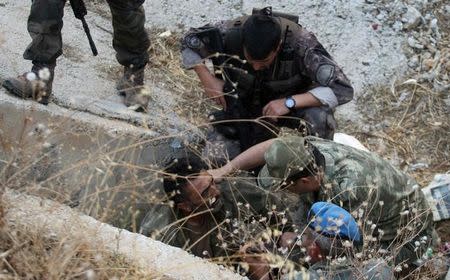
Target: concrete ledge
pixel 60 221
pixel 75 154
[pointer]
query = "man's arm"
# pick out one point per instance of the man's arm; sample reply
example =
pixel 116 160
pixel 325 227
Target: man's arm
pixel 249 159
pixel 194 51
pixel 212 85
pixel 332 86
pixel 277 107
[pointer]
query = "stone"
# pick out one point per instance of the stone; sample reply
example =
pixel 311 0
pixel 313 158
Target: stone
pixel 426 55
pixel 412 18
pixel 414 44
pixel 447 66
pixel 447 11
pixel 433 23
pixel 428 64
pixel 397 26
pixel 413 61
pixel 447 102
pixel 381 16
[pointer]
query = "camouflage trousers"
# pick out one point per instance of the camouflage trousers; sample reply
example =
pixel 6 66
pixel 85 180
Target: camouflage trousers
pixel 413 249
pixel 130 38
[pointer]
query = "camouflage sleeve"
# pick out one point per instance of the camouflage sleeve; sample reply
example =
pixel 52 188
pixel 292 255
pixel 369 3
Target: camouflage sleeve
pixel 193 47
pixel 319 66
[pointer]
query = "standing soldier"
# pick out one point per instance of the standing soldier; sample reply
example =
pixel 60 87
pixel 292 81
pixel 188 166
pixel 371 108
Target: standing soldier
pixel 44 25
pixel 268 65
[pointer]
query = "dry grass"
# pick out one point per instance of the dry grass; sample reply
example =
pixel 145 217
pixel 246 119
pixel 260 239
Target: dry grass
pixel 165 69
pixel 33 256
pixel 409 122
pixel 409 125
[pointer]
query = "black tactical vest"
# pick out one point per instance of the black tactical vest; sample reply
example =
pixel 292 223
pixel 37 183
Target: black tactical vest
pixel 256 88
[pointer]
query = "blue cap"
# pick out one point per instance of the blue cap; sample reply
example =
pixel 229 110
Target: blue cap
pixel 332 220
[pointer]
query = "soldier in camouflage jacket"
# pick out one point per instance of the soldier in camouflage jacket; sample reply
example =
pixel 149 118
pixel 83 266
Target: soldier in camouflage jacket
pixel 388 204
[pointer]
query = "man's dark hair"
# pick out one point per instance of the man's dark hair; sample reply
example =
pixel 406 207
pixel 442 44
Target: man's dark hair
pixel 261 35
pixel 177 173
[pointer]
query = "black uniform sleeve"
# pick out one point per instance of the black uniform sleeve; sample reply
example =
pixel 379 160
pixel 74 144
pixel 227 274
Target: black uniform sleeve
pixel 317 64
pixel 196 46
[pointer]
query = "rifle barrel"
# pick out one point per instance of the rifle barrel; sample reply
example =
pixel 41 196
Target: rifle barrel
pixel 88 34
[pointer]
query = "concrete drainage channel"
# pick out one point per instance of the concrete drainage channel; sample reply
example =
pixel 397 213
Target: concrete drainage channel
pixel 55 149
pixel 60 222
pixel 104 168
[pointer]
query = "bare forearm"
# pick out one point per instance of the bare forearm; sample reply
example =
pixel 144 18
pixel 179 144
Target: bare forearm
pixel 207 79
pixel 249 159
pixel 252 157
pixel 212 85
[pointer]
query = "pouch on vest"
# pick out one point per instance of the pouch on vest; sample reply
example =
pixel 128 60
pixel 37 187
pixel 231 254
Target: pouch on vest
pixel 208 37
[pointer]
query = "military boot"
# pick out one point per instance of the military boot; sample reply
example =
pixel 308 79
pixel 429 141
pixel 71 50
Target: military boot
pixel 36 84
pixel 131 86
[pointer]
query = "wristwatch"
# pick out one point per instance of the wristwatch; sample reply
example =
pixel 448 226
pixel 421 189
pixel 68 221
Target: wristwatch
pixel 289 102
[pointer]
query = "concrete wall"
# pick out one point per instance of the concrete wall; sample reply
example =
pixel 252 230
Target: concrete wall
pixel 60 222
pixel 104 167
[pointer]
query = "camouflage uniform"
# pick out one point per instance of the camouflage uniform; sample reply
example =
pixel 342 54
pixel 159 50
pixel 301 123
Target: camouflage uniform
pixel 388 203
pixel 241 202
pixel 302 65
pixel 130 38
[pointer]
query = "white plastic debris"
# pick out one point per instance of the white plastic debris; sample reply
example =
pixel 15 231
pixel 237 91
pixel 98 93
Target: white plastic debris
pixel 165 34
pixel 348 140
pixel 437 194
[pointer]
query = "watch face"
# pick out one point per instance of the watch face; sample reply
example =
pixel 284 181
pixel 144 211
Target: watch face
pixel 290 103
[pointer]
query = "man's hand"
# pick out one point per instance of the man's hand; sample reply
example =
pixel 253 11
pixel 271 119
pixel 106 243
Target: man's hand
pixel 275 108
pixel 258 265
pixel 287 240
pixel 219 173
pixel 214 90
pixel 212 85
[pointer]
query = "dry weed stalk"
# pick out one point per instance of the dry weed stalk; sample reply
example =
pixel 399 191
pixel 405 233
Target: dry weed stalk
pixel 26 255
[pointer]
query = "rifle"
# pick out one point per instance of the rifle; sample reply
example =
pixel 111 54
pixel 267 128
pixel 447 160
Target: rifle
pixel 79 9
pixel 268 12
